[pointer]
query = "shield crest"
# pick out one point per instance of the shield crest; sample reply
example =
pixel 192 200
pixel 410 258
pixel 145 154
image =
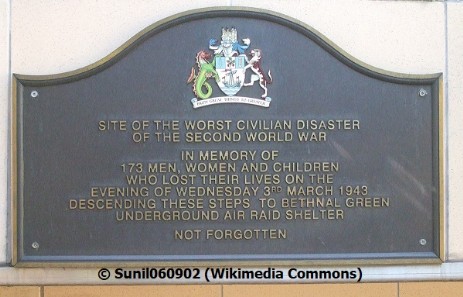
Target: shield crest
pixel 231 73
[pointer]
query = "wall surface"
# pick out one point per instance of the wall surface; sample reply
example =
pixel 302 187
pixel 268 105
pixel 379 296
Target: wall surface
pixel 454 69
pixel 414 37
pixel 4 98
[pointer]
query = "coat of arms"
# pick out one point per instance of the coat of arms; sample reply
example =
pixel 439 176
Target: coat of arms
pixel 226 62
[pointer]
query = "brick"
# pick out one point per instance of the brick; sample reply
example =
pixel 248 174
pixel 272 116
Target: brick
pixel 310 290
pixel 431 289
pixel 20 291
pixel 133 291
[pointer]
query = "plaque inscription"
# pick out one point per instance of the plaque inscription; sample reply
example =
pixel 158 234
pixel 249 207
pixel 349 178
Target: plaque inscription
pixel 224 143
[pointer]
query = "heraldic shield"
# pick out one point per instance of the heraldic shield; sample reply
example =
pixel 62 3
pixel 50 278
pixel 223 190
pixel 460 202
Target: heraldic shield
pixel 226 63
pixel 231 71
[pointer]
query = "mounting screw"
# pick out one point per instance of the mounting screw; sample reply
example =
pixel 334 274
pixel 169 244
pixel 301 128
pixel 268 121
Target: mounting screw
pixel 423 241
pixel 423 92
pixel 34 94
pixel 35 245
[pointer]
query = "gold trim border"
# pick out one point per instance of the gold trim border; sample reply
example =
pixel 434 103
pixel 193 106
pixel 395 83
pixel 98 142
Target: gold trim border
pixel 14 170
pixel 14 173
pixel 442 183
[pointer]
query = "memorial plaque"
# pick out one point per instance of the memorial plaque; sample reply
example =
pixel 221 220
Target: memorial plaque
pixel 227 135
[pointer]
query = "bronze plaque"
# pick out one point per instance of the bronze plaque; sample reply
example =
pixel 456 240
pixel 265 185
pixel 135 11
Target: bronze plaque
pixel 227 135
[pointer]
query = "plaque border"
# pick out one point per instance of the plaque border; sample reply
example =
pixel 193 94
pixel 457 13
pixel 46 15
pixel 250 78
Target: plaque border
pixel 434 80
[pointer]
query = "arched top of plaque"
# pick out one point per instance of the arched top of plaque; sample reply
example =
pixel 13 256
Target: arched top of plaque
pixel 235 15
